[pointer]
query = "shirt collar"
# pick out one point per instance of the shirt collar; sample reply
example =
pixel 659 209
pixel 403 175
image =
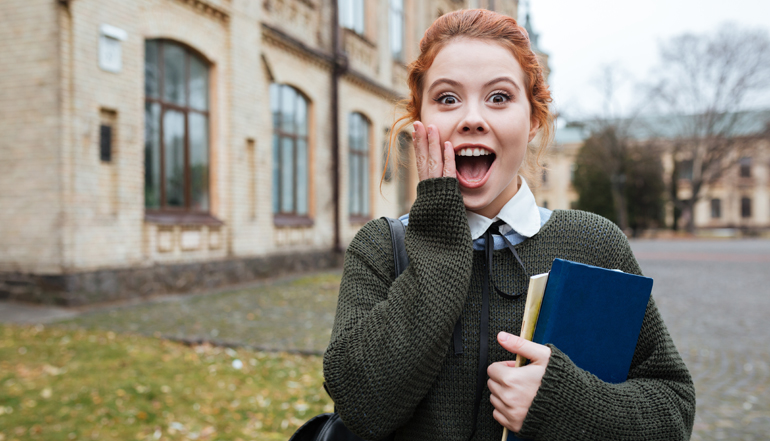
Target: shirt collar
pixel 520 214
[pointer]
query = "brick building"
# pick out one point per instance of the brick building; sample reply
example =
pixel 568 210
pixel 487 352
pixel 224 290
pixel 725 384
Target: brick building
pixel 165 145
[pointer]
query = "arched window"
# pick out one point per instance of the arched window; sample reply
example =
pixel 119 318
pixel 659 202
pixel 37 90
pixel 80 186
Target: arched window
pixel 290 150
pixel 358 142
pixel 176 128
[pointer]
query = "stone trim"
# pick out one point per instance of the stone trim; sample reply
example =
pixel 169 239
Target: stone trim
pixel 90 287
pixel 366 83
pixel 210 9
pixel 282 40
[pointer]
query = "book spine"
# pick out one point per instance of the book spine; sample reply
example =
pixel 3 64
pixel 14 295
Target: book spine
pixel 551 300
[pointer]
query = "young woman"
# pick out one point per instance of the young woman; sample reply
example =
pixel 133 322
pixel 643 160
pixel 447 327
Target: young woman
pixel 428 355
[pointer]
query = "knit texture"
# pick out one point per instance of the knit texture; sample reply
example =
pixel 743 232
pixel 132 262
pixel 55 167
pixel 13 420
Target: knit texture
pixel 390 365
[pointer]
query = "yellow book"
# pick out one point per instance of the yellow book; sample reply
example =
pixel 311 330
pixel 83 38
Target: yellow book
pixel 529 321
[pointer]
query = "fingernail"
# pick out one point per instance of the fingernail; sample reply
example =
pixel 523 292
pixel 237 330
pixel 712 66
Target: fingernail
pixel 503 336
pixel 414 134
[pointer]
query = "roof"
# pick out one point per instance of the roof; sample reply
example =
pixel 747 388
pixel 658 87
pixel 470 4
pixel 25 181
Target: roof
pixel 745 123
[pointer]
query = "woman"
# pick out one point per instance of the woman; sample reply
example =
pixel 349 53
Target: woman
pixel 417 355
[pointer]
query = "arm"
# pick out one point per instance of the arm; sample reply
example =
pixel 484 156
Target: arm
pixel 390 337
pixel 656 402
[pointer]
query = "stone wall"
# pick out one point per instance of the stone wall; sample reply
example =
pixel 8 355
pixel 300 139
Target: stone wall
pixel 81 288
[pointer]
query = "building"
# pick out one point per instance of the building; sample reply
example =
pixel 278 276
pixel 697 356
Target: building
pixel 737 203
pixel 167 145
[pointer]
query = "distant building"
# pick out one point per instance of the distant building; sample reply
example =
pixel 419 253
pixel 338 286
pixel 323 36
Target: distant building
pixel 738 202
pixel 165 145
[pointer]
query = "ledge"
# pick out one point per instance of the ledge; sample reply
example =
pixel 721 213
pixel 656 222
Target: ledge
pixel 288 220
pixel 181 218
pixel 359 220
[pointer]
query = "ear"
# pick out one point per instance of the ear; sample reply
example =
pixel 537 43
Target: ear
pixel 534 126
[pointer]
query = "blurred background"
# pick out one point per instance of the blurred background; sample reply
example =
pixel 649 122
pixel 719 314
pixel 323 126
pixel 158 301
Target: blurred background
pixel 179 180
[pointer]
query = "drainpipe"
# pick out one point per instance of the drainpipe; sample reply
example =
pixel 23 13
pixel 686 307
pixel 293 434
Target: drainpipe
pixel 338 68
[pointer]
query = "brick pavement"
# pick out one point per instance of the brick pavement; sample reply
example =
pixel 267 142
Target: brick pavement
pixel 715 299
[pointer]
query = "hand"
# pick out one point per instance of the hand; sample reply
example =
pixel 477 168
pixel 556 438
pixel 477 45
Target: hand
pixel 513 388
pixel 433 160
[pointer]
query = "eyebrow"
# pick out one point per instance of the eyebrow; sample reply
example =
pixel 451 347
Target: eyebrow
pixel 502 79
pixel 487 84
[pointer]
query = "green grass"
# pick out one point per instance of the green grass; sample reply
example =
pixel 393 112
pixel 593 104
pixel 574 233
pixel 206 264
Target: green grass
pixel 66 384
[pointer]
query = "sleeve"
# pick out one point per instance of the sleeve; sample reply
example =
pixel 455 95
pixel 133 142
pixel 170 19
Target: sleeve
pixel 656 402
pixel 390 337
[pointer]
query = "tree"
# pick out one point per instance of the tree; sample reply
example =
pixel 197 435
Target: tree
pixel 705 84
pixel 612 170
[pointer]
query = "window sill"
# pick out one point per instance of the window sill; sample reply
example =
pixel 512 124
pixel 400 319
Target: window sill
pixel 362 37
pixel 181 218
pixel 359 220
pixel 288 220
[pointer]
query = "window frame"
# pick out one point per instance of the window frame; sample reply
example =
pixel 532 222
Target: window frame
pixel 165 213
pixel 290 218
pixel 355 151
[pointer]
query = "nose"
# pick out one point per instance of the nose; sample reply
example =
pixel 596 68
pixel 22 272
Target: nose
pixel 473 122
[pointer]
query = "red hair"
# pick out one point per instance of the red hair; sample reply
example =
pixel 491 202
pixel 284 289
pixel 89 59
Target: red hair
pixel 485 25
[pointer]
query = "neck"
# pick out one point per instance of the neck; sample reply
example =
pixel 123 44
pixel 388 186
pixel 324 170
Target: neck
pixel 493 209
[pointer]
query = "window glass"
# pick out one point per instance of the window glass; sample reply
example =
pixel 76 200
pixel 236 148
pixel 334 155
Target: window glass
pixel 745 207
pixel 152 155
pixel 173 140
pixel 358 140
pixel 288 103
pixel 716 208
pixel 302 176
pixel 174 74
pixel 151 70
pixel 354 199
pixel 351 15
pixel 287 175
pixel 397 29
pixel 199 161
pixel 199 84
pixel 745 167
pixel 276 174
pixel 301 116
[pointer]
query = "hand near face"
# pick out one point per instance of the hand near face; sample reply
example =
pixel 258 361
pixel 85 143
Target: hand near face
pixel 433 159
pixel 513 388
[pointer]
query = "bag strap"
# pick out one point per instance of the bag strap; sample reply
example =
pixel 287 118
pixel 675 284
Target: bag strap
pixel 397 236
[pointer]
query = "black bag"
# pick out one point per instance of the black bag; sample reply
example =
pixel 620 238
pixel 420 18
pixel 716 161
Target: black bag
pixel 329 426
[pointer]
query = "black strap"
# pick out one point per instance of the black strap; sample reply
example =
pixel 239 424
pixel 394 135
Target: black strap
pixel 397 236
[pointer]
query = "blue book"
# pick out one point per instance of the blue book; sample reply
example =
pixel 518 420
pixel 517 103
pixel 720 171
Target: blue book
pixel 594 315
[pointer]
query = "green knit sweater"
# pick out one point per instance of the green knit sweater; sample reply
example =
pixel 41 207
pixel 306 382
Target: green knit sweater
pixel 390 365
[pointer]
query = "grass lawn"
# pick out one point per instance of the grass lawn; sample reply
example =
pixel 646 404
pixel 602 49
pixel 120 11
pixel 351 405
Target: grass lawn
pixel 75 384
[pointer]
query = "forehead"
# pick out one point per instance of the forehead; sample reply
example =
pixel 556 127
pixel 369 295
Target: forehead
pixel 474 61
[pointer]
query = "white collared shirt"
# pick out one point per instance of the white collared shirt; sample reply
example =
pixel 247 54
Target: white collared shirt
pixel 521 214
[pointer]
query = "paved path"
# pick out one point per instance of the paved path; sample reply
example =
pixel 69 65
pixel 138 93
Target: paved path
pixel 715 299
pixel 713 295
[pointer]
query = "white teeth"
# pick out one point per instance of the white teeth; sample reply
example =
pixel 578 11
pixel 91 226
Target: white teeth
pixel 477 151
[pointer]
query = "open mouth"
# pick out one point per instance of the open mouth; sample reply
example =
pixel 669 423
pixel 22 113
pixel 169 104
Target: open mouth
pixel 473 165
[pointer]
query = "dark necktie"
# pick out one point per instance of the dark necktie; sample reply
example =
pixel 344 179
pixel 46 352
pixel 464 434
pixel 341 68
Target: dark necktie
pixel 481 377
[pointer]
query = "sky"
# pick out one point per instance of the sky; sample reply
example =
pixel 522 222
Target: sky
pixel 583 36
